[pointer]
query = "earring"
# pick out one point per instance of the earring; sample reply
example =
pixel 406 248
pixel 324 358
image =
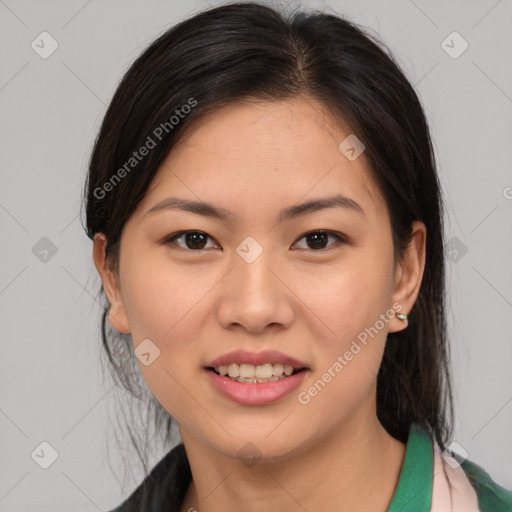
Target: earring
pixel 402 316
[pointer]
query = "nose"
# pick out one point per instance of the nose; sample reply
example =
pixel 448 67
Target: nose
pixel 255 296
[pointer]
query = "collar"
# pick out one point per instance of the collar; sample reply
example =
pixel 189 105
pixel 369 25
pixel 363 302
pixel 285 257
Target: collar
pixel 414 488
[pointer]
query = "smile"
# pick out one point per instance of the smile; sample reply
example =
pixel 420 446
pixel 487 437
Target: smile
pixel 249 373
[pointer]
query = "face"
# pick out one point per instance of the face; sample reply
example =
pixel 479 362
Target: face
pixel 314 286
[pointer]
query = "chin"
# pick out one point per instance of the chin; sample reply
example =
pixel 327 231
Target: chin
pixel 251 449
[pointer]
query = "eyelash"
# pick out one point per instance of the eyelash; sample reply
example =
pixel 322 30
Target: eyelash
pixel 340 239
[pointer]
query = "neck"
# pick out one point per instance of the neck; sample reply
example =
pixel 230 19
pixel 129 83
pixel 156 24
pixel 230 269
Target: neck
pixel 355 469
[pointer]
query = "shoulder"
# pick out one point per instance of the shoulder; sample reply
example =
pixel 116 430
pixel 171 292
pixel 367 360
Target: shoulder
pixel 163 488
pixel 469 484
pixel 491 496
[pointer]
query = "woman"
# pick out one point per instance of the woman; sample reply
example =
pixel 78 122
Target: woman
pixel 267 224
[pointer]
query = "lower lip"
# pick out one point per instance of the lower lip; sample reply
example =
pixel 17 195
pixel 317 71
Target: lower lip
pixel 256 394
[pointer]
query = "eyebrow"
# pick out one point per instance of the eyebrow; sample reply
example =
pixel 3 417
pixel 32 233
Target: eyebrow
pixel 209 210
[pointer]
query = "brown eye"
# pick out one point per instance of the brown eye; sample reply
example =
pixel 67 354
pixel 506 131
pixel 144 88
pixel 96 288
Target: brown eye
pixel 317 240
pixel 193 240
pixel 197 240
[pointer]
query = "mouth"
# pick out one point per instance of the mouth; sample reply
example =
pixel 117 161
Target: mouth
pixel 255 378
pixel 256 374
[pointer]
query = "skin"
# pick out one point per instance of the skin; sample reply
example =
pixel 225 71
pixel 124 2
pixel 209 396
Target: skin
pixel 310 303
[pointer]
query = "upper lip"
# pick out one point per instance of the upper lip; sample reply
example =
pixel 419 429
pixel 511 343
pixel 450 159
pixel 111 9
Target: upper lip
pixel 255 358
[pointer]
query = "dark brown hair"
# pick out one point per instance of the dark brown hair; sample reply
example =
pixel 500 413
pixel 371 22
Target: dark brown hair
pixel 252 51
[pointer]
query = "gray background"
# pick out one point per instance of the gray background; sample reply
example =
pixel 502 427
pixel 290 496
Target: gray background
pixel 50 379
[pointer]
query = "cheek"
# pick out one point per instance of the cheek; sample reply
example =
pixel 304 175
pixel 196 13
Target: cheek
pixel 349 350
pixel 165 306
pixel 348 299
pixel 161 298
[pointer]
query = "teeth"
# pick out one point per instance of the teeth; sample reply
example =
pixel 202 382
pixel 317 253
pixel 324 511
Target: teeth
pixel 233 370
pixel 250 373
pixel 260 381
pixel 288 369
pixel 264 371
pixel 246 371
pixel 278 369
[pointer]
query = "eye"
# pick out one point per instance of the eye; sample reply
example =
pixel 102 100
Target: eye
pixel 318 240
pixel 197 240
pixel 194 240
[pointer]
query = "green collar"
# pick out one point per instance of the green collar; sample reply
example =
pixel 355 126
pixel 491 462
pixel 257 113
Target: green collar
pixel 414 489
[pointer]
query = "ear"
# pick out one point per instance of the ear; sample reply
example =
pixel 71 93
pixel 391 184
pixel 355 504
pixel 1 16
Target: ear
pixel 117 313
pixel 409 274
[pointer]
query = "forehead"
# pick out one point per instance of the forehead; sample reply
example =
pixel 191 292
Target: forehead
pixel 281 152
pixel 285 129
